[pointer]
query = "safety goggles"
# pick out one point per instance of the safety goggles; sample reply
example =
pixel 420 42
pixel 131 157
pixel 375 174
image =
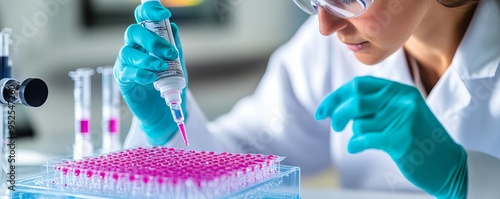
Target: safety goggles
pixel 340 8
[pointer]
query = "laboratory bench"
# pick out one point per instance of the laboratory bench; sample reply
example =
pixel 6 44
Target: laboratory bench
pixel 312 193
pixel 30 161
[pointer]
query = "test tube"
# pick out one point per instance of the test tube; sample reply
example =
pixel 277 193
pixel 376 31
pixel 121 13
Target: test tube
pixel 5 72
pixel 5 40
pixel 171 81
pixel 110 111
pixel 83 145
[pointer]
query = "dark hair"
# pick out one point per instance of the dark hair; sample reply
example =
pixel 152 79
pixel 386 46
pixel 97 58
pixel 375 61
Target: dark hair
pixel 457 3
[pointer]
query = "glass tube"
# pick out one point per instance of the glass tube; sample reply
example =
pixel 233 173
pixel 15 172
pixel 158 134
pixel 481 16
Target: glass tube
pixel 83 144
pixel 110 111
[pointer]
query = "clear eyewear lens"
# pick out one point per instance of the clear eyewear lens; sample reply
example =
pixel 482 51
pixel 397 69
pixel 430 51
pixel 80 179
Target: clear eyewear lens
pixel 340 8
pixel 306 6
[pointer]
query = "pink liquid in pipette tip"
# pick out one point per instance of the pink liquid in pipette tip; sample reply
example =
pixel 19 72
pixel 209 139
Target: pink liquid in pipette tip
pixel 183 133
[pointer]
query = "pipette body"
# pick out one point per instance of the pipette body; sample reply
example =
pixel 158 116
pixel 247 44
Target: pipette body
pixel 171 81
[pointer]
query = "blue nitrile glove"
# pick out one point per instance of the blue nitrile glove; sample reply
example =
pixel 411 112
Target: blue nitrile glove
pixel 134 71
pixel 394 117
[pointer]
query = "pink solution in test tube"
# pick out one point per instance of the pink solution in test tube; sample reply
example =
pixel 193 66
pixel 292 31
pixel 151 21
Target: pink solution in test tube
pixel 84 126
pixel 83 143
pixel 112 123
pixel 110 111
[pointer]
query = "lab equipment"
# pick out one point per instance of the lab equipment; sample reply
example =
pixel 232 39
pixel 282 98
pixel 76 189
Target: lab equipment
pixel 396 119
pixel 5 40
pixel 83 144
pixel 110 111
pixel 340 8
pixel 135 73
pixel 162 172
pixel 32 92
pixel 170 82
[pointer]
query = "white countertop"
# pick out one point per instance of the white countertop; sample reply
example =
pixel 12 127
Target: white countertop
pixel 358 194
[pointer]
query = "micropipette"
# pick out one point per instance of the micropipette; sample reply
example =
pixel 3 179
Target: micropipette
pixel 83 145
pixel 171 81
pixel 110 111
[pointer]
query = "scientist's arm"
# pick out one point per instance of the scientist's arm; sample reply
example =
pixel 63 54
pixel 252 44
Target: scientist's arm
pixel 394 117
pixel 277 118
pixel 135 71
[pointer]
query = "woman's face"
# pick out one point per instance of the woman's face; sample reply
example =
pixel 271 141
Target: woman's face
pixel 378 32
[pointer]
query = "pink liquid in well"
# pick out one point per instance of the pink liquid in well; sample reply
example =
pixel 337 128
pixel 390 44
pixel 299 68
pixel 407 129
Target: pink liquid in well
pixel 84 126
pixel 183 133
pixel 160 167
pixel 113 125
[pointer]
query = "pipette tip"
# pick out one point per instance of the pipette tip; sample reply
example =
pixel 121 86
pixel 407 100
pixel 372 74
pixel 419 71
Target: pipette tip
pixel 183 133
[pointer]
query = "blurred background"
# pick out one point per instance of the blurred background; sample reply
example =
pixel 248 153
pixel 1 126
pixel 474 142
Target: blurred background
pixel 226 46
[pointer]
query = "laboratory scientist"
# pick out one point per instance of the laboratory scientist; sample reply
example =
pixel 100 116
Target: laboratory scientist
pixel 397 95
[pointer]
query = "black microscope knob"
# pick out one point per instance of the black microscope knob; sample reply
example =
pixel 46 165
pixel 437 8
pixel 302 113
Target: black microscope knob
pixel 33 92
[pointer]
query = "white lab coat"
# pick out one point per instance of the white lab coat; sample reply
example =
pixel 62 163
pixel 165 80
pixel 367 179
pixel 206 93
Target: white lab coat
pixel 278 117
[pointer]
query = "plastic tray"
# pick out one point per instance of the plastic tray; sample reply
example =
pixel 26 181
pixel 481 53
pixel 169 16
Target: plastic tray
pixel 284 184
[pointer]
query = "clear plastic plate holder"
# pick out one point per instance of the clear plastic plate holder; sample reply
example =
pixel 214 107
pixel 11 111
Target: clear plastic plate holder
pixel 284 183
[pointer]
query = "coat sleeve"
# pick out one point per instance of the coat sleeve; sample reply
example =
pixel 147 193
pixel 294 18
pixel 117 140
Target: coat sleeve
pixel 276 119
pixel 484 175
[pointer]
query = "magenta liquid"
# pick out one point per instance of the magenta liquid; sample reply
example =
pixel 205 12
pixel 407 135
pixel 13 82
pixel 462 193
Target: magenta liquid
pixel 84 126
pixel 113 125
pixel 161 172
pixel 182 128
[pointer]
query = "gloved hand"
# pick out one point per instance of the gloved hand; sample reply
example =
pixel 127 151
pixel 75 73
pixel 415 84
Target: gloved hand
pixel 135 68
pixel 395 118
